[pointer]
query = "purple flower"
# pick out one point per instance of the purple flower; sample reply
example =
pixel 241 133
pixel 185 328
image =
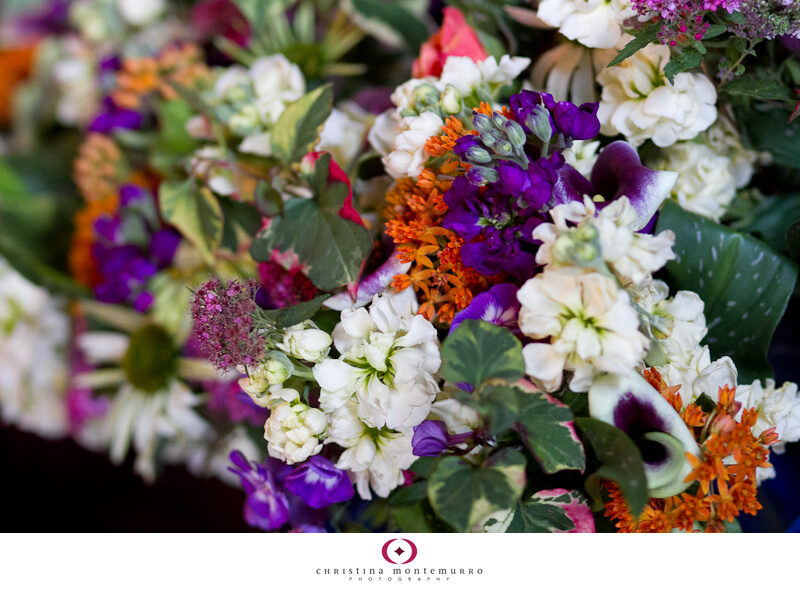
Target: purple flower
pixel 570 120
pixel 618 172
pixel 112 117
pixel 430 438
pixel 577 122
pixel 498 305
pixel 228 398
pixel 318 483
pixel 266 506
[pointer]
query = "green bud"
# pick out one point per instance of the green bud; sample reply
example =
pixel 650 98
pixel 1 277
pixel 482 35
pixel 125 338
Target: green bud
pixel 425 95
pixel 539 123
pixel 478 155
pixel 482 123
pixel 515 133
pixel 451 100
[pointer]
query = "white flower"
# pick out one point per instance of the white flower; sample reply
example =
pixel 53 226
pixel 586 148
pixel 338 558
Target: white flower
pixel 388 358
pixel 639 102
pixel 274 370
pixel 593 23
pixel 293 432
pixel 383 131
pixel 34 334
pixel 706 184
pixel 699 375
pixel 632 256
pixel 75 76
pixel 777 407
pixel 376 459
pixel 343 133
pixel 306 342
pixel 568 71
pixel 276 79
pixel 409 154
pixel 458 418
pixel 723 137
pixel 140 12
pixel 688 325
pixel 588 321
pixel 466 76
pixel 582 155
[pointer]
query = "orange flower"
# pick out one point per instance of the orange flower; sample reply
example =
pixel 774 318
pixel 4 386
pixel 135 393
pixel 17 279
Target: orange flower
pixel 79 258
pixel 15 67
pixel 99 169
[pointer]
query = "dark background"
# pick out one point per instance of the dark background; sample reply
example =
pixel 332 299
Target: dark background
pixel 58 486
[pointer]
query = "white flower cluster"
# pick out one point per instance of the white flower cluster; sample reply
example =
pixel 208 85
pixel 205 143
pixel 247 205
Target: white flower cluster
pixel 380 387
pixel 34 332
pixel 710 169
pixel 639 102
pixel 400 134
pixel 593 23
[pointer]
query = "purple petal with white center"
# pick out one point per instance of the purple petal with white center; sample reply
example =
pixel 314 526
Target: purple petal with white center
pixel 498 305
pixel 318 483
pixel 631 404
pixel 372 285
pixel 619 172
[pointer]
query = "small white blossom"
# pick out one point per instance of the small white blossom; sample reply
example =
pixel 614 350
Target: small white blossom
pixel 582 155
pixel 700 375
pixel 593 23
pixel 293 432
pixel 305 341
pixel 778 407
pixel 408 155
pixel 640 103
pixel 632 256
pixel 375 457
pixel 388 359
pixel 274 370
pixel 588 322
pixel 140 12
pixel 343 133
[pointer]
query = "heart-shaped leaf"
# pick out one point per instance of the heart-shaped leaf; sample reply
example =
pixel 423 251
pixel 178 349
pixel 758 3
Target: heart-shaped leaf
pixel 477 351
pixel 298 127
pixel 195 212
pixel 554 510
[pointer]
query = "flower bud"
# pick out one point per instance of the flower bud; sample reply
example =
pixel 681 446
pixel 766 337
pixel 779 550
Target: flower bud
pixel 478 175
pixel 515 133
pixel 478 155
pixel 482 123
pixel 305 342
pixel 451 100
pixel 425 95
pixel 538 121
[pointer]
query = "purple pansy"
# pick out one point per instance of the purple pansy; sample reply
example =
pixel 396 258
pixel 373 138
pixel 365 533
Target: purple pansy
pixel 498 305
pixel 318 483
pixel 112 117
pixel 266 506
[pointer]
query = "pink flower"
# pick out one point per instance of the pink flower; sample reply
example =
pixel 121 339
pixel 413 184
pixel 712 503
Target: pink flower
pixel 336 174
pixel 455 38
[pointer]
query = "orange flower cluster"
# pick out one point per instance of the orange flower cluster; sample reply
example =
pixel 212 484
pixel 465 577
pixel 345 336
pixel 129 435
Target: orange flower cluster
pixel 81 263
pixel 724 474
pixel 415 210
pixel 15 66
pixel 100 167
pixel 182 65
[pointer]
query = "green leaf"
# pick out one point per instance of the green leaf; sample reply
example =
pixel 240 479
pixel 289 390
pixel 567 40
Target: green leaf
pixel 543 513
pixel 398 18
pixel 269 201
pixel 620 460
pixel 241 222
pixel 195 212
pixel 744 284
pixel 335 254
pixel 737 17
pixel 690 58
pixel 771 219
pixel 462 495
pixel 297 129
pixel 295 314
pixel 547 431
pixel 477 351
pixel 647 35
pixel 793 241
pixel 498 405
pixel 768 130
pixel 715 31
pixel 763 89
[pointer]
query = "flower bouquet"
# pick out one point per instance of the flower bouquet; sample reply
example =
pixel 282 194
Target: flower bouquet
pixel 519 275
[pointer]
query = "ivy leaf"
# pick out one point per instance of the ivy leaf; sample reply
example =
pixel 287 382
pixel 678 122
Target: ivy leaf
pixel 551 511
pixel 398 18
pixel 295 314
pixel 298 127
pixel 646 36
pixel 546 427
pixel 334 255
pixel 462 494
pixel 744 283
pixel 690 58
pixel 620 461
pixel 196 213
pixel 478 350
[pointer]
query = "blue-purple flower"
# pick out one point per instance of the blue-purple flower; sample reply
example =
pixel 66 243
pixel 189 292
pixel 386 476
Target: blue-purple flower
pixel 498 305
pixel 567 119
pixel 266 506
pixel 318 483
pixel 432 439
pixel 112 117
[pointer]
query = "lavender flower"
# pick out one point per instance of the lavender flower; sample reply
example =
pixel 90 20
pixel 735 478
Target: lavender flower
pixel 266 506
pixel 318 483
pixel 223 322
pixel 112 117
pixel 432 439
pixel 498 305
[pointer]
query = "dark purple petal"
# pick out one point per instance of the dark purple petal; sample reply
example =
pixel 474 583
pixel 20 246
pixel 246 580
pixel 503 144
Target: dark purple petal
pixel 318 483
pixel 163 245
pixel 430 438
pixel 577 122
pixel 619 172
pixel 570 186
pixel 498 305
